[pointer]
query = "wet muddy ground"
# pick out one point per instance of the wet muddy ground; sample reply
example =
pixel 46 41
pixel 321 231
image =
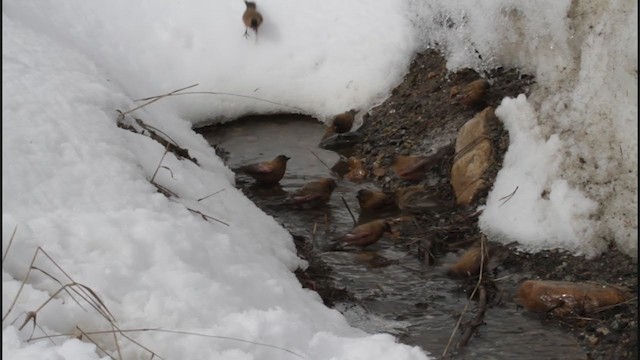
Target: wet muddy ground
pixel 397 285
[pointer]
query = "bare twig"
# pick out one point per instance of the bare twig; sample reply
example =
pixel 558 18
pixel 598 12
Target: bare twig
pixel 470 297
pixel 6 251
pixel 508 197
pixel 166 192
pixel 115 340
pixel 210 195
pixel 349 210
pixel 123 331
pixel 207 217
pixel 170 172
pixel 166 150
pixel 147 127
pixel 322 162
pixel 24 281
pixel 155 98
pixel 477 320
pixel 215 93
pixel 98 345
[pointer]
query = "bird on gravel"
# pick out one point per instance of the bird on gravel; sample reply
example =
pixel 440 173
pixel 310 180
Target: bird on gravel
pixel 251 18
pixel 341 123
pixel 362 235
pixel 417 200
pixel 471 94
pixel 412 168
pixel 375 200
pixel 313 194
pixel 267 172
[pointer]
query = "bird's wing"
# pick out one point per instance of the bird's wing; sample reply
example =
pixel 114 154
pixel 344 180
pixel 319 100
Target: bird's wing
pixel 357 234
pixel 303 198
pixel 260 168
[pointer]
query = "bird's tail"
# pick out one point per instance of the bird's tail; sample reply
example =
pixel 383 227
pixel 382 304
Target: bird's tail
pixel 334 246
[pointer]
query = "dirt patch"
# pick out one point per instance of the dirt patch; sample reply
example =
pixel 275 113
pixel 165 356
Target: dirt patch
pixel 419 118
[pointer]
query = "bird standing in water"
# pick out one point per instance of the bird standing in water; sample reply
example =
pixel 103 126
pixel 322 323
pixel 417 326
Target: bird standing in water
pixel 267 172
pixel 251 18
pixel 375 200
pixel 363 235
pixel 314 193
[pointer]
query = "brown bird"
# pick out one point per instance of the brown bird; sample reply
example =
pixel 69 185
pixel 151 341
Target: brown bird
pixel 468 264
pixel 375 200
pixel 251 18
pixel 412 168
pixel 314 193
pixel 341 123
pixel 471 94
pixel 267 172
pixel 416 200
pixel 357 171
pixel 363 235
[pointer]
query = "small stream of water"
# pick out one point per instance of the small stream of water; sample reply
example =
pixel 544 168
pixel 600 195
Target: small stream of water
pixel 397 293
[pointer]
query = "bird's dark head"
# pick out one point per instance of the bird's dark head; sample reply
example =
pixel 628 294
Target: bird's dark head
pixel 250 4
pixel 283 158
pixel 387 227
pixel 330 183
pixel 362 193
pixel 353 111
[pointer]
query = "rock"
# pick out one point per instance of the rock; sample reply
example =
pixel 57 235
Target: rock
pixel 379 171
pixel 474 151
pixel 562 298
pixel 341 141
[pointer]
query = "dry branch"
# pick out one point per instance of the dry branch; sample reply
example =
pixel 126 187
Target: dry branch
pixel 6 251
pixel 349 210
pixel 478 284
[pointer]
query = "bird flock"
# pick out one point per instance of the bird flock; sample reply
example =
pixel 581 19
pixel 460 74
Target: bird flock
pixel 317 193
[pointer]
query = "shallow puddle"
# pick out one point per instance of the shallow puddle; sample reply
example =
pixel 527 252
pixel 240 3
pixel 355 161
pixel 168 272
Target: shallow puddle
pixel 396 293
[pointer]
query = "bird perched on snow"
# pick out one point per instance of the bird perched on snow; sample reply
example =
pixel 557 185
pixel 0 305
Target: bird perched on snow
pixel 267 172
pixel 471 94
pixel 375 200
pixel 314 193
pixel 362 235
pixel 341 123
pixel 251 18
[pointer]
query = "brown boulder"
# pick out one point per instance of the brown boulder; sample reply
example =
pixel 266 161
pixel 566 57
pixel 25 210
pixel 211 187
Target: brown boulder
pixel 474 155
pixel 562 298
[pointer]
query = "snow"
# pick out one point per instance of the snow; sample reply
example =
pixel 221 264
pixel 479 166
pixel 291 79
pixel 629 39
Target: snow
pixel 584 56
pixel 78 186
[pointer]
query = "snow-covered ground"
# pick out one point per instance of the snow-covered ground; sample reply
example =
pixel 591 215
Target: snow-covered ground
pixel 77 186
pixel 576 139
